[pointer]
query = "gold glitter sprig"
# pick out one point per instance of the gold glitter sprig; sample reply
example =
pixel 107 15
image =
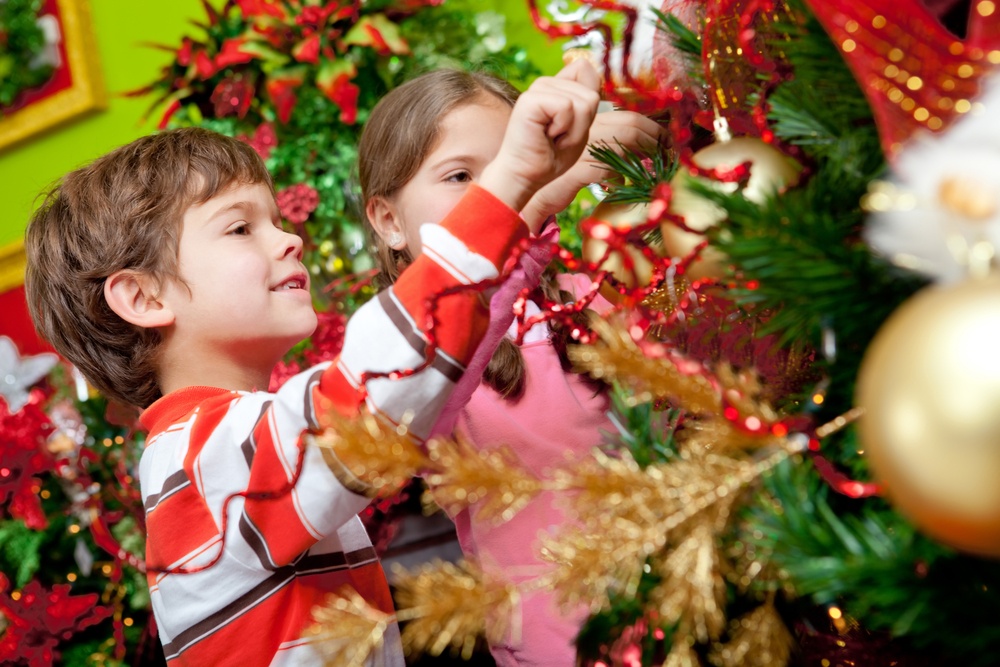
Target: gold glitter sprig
pixel 348 629
pixel 369 456
pixel 445 604
pixel 616 357
pixel 463 475
pixel 758 639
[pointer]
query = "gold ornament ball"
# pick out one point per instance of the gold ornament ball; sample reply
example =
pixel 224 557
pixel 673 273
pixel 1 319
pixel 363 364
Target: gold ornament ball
pixel 930 388
pixel 771 171
pixel 620 215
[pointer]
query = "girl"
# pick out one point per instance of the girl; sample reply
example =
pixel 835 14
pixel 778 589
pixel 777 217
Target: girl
pixel 422 146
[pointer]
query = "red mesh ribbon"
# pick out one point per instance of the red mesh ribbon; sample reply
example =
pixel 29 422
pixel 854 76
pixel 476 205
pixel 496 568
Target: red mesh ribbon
pixel 914 72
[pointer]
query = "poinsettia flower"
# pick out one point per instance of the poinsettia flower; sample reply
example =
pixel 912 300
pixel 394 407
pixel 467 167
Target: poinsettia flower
pixel 24 455
pixel 334 79
pixel 38 619
pixel 307 51
pixel 281 89
pixel 204 65
pixel 254 8
pixel 296 202
pixel 232 53
pixel 378 32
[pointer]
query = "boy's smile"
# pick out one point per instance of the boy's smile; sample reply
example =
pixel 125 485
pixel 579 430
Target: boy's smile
pixel 243 300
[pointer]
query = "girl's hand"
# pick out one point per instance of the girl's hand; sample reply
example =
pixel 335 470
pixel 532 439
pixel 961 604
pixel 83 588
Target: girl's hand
pixel 618 130
pixel 547 132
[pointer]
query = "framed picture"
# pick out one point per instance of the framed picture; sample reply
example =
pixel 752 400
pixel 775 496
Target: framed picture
pixel 75 86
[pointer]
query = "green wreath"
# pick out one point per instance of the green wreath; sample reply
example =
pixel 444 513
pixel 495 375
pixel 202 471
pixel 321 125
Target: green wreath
pixel 21 40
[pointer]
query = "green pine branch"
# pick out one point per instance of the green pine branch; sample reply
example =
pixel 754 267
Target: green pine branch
pixel 871 562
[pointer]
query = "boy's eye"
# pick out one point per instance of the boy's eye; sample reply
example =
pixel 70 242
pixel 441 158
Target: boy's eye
pixel 242 229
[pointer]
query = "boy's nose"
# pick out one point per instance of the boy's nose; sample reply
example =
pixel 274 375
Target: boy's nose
pixel 292 244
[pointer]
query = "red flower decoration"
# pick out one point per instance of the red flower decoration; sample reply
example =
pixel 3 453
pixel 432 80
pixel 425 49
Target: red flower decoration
pixel 39 619
pixel 263 141
pixel 296 202
pixel 23 456
pixel 232 97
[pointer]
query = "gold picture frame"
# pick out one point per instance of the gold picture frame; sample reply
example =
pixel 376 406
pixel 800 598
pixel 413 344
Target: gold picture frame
pixel 12 265
pixel 84 90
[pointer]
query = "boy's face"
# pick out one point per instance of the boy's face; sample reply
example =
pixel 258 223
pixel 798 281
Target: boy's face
pixel 469 139
pixel 246 297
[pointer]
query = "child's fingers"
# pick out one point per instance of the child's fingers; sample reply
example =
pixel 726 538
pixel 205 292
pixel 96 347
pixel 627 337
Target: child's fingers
pixel 627 128
pixel 581 72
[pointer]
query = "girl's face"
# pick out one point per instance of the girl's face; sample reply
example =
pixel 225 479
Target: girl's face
pixel 469 138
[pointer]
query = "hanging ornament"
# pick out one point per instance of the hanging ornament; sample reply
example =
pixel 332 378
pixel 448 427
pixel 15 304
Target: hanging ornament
pixel 930 388
pixel 769 172
pixel 940 212
pixel 628 264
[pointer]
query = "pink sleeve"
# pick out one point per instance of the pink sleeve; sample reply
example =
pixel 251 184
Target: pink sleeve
pixel 527 273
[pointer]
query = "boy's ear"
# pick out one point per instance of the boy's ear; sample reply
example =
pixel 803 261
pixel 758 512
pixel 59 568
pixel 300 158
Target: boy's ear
pixel 134 297
pixel 386 221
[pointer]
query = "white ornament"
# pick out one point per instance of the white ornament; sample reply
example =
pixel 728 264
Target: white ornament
pixel 19 374
pixel 939 214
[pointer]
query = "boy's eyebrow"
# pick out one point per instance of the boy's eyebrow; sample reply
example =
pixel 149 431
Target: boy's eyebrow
pixel 241 206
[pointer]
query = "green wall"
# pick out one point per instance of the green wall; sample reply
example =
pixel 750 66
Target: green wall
pixel 122 28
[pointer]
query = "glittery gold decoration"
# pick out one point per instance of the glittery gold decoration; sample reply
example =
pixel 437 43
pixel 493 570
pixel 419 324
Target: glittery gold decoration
pixel 368 455
pixel 617 357
pixel 464 475
pixel 445 604
pixel 681 655
pixel 347 629
pixel 758 639
pixel 692 592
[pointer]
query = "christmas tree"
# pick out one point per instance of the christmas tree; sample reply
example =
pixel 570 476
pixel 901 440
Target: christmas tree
pixel 804 380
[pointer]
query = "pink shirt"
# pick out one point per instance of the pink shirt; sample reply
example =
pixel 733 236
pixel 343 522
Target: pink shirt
pixel 560 417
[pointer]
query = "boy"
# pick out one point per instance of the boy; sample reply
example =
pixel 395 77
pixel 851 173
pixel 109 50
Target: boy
pixel 161 271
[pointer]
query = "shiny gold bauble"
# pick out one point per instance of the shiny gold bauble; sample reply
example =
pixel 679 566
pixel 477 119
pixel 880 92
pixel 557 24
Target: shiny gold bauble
pixel 930 388
pixel 771 171
pixel 620 216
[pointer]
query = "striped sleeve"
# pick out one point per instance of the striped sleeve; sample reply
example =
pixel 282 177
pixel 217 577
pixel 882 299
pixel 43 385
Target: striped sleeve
pixel 390 335
pixel 387 334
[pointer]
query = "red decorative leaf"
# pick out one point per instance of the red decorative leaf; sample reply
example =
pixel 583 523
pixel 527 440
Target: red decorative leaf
pixel 307 51
pixel 232 53
pixel 281 90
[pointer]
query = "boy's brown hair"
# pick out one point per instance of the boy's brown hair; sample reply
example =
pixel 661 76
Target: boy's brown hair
pixel 123 211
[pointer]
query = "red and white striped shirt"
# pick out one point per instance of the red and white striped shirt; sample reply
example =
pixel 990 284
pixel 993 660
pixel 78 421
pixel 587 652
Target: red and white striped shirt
pixel 247 527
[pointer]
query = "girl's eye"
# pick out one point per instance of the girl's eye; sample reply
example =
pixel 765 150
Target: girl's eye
pixel 460 177
pixel 243 229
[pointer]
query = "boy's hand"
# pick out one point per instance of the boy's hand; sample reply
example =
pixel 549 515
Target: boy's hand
pixel 546 135
pixel 618 130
